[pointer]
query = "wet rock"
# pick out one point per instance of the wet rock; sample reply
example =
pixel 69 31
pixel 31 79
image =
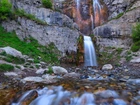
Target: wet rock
pixel 108 94
pixel 8 74
pixel 134 81
pixel 119 102
pixel 107 67
pixel 59 70
pixel 72 75
pixel 139 92
pixel 12 51
pixel 136 100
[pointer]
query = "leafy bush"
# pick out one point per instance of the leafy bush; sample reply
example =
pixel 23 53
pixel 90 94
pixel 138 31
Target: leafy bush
pixel 136 46
pixel 5 9
pixel 6 67
pixel 47 3
pixel 136 38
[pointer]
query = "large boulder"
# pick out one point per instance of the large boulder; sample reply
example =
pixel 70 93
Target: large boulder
pixel 59 70
pixel 33 79
pixel 12 51
pixel 10 74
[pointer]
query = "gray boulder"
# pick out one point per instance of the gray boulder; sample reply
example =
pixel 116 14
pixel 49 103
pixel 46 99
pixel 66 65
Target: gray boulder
pixel 59 70
pixel 12 51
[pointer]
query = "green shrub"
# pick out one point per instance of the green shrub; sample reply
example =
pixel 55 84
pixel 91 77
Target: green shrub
pixel 6 67
pixel 50 71
pixel 5 9
pixel 136 46
pixel 47 3
pixel 136 33
pixel 136 38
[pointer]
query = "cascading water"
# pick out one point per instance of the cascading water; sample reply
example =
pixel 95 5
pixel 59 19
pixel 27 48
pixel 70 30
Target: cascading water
pixel 89 55
pixel 97 12
pixel 58 96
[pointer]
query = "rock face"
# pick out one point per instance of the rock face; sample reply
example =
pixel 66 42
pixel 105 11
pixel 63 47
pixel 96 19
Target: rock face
pixel 60 29
pixel 85 13
pixel 117 32
pixel 116 7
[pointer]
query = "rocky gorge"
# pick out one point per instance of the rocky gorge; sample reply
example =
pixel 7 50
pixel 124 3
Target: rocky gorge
pixel 30 80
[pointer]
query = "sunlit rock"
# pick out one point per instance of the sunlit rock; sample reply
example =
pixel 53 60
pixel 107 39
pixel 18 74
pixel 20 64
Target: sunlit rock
pixel 59 70
pixel 33 79
pixel 107 67
pixel 12 51
pixel 10 74
pixel 135 60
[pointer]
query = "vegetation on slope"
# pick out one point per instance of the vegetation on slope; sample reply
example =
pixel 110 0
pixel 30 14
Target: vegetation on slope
pixel 136 38
pixel 5 9
pixel 6 67
pixel 22 13
pixel 32 48
pixel 47 3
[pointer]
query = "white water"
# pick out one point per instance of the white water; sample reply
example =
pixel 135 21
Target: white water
pixel 24 96
pixel 92 21
pixel 77 4
pixel 90 55
pixel 96 5
pixel 58 96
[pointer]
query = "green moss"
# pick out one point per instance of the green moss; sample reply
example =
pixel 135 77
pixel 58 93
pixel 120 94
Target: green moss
pixel 47 3
pixel 33 49
pixel 6 67
pixel 5 9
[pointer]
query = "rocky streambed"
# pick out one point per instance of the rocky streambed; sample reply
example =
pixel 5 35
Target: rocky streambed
pixel 108 85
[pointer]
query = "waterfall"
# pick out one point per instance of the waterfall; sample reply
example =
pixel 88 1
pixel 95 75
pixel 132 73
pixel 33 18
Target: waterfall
pixel 97 8
pixel 77 4
pixel 90 56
